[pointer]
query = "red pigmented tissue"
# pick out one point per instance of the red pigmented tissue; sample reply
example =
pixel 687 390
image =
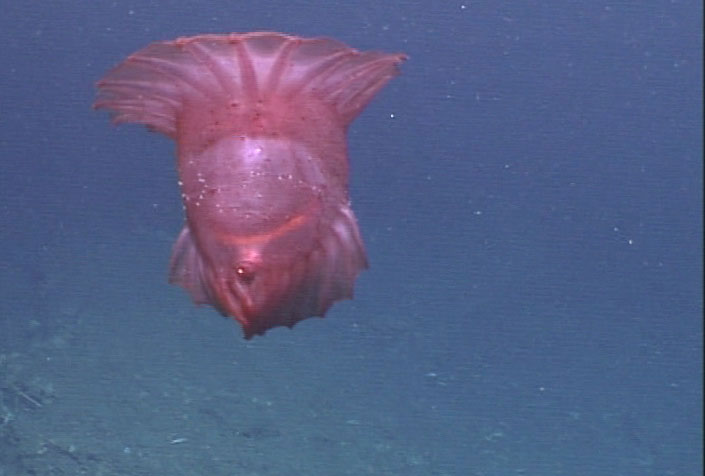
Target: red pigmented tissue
pixel 259 121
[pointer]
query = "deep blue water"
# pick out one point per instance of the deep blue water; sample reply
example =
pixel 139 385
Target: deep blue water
pixel 530 194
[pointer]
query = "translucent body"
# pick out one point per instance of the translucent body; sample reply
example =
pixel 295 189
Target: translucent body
pixel 259 120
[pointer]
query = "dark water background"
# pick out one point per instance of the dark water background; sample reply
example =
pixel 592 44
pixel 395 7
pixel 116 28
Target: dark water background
pixel 530 193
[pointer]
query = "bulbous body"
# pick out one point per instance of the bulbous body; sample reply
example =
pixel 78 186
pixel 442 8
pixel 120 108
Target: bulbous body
pixel 260 121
